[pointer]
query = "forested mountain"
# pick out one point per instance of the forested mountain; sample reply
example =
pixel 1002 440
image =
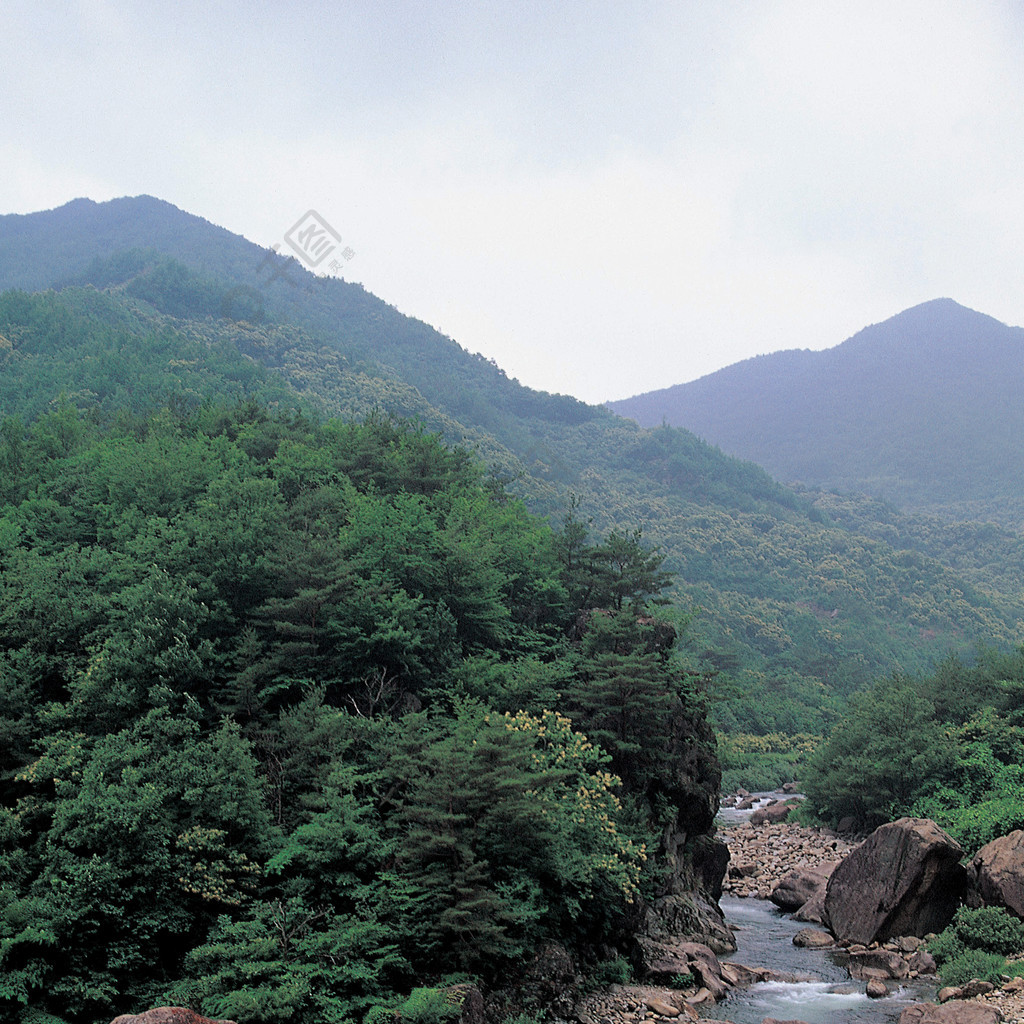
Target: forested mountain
pixel 922 410
pixel 792 612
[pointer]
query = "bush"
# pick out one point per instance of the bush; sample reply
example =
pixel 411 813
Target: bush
pixel 990 928
pixel 971 964
pixel 976 944
pixel 611 972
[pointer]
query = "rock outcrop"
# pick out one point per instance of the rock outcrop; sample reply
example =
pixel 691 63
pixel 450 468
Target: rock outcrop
pixel 904 879
pixel 997 872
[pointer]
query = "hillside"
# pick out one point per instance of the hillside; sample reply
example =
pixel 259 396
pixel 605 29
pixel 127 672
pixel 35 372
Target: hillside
pixel 787 611
pixel 922 411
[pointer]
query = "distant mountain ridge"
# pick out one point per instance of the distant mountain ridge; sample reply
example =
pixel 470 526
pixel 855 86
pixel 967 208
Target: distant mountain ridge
pixel 923 410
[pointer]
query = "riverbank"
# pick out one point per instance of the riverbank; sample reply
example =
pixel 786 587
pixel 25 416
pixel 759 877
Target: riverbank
pixel 760 855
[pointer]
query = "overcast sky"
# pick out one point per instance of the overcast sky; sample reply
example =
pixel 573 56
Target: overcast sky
pixel 604 197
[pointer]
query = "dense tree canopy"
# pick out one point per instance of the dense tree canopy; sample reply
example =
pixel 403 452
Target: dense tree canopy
pixel 301 715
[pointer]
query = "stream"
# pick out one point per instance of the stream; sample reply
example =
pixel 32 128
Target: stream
pixel 764 936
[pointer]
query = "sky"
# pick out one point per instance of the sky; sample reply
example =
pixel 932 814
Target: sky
pixel 603 197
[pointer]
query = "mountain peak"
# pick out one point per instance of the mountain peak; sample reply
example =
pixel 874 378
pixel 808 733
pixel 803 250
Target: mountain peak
pixel 922 409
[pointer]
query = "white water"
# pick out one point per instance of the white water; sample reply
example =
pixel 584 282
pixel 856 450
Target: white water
pixel 827 996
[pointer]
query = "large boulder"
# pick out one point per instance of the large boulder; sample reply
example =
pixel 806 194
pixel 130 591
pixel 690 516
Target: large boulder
pixel 796 887
pixel 997 872
pixel 904 879
pixel 167 1015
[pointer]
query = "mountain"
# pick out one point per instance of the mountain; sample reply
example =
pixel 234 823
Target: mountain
pixel 922 410
pixel 791 600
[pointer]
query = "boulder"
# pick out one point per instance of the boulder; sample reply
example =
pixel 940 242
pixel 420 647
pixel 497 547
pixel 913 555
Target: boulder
pixel 772 813
pixel 904 879
pixel 661 1008
pixel 976 988
pixel 659 961
pixel 812 938
pixel 950 1013
pixel 891 964
pixel 813 911
pixel 922 962
pixel 801 884
pixel 167 1015
pixel 740 976
pixel 876 989
pixel 743 870
pixel 997 872
pixel 552 980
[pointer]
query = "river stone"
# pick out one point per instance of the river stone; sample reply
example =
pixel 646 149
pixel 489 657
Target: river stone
pixel 801 884
pixel 951 1013
pixel 892 965
pixel 876 989
pixel 772 813
pixel 661 1008
pixel 904 879
pixel 813 911
pixel 997 872
pixel 923 962
pixel 813 938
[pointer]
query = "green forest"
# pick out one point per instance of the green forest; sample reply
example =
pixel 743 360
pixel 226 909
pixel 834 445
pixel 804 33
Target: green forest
pixel 302 717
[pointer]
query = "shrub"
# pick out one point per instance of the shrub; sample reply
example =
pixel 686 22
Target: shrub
pixel 429 1006
pixel 611 972
pixel 971 964
pixel 990 928
pixel 976 944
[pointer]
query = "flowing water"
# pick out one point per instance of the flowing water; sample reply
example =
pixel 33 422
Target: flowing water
pixel 825 993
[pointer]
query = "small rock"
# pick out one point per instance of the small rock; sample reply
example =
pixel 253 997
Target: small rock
pixel 661 1008
pixel 947 993
pixel 922 962
pixel 876 989
pixel 702 995
pixel 813 938
pixel 976 988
